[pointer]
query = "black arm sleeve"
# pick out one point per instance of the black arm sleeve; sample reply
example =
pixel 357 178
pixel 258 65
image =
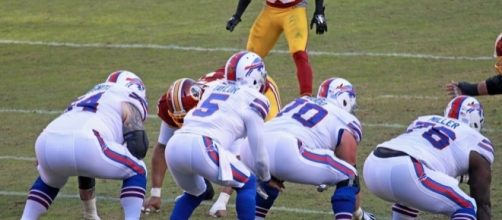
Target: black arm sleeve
pixel 494 85
pixel 137 143
pixel 470 89
pixel 241 7
pixel 319 6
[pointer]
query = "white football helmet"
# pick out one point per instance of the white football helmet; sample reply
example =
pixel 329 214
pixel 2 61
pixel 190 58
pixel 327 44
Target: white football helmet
pixel 340 92
pixel 467 110
pixel 246 68
pixel 128 79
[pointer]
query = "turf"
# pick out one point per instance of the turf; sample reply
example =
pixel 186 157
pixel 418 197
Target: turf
pixel 398 55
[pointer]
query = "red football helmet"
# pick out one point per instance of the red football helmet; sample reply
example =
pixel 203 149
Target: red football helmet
pixel 182 96
pixel 498 53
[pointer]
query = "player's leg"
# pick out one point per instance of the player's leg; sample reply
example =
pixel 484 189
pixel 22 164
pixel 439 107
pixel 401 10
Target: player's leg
pixel 186 161
pixel 404 180
pixel 113 161
pixel 401 212
pixel 86 186
pixel 46 187
pixel 264 32
pixel 296 32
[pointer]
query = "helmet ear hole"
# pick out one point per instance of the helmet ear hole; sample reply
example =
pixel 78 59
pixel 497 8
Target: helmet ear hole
pixel 344 102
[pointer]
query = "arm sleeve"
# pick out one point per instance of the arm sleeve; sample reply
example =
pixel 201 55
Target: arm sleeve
pixel 241 7
pixel 165 133
pixel 254 126
pixel 319 6
pixel 494 85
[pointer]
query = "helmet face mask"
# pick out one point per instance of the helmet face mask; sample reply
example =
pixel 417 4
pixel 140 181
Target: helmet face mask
pixel 182 96
pixel 339 92
pixel 467 110
pixel 246 68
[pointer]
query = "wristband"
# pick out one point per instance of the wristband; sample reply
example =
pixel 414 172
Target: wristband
pixel 155 192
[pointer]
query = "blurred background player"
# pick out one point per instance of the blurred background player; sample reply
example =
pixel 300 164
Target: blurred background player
pixel 290 17
pixel 199 149
pixel 181 97
pixel 314 141
pixel 416 170
pixel 88 140
pixel 490 86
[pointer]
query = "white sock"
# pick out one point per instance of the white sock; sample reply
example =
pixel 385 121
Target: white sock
pixel 33 210
pixel 131 207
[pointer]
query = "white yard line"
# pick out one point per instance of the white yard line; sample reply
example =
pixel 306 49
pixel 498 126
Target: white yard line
pixel 225 49
pixel 107 198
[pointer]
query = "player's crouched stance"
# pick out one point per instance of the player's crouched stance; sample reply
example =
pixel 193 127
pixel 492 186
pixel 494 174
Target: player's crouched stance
pixel 417 169
pixel 199 149
pixel 314 141
pixel 87 140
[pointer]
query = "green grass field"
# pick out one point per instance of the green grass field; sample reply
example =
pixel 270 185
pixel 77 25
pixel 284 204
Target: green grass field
pixel 398 54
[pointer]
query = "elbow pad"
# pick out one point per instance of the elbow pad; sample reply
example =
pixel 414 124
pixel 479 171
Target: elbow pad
pixel 137 143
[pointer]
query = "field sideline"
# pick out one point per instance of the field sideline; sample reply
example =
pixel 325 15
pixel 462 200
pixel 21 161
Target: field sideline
pixel 398 54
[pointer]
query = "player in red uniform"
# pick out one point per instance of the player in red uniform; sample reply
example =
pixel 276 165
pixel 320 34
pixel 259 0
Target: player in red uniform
pixel 288 17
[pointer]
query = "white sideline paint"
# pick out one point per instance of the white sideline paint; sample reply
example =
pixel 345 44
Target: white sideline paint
pixel 224 49
pixel 107 198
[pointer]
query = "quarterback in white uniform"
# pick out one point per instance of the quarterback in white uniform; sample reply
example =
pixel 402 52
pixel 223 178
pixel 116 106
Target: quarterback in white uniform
pixel 417 169
pixel 87 140
pixel 226 112
pixel 313 141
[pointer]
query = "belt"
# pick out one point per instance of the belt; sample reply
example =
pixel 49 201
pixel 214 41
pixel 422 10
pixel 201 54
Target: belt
pixel 384 152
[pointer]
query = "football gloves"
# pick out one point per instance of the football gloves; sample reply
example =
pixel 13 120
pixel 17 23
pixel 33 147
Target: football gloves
pixel 320 22
pixel 232 22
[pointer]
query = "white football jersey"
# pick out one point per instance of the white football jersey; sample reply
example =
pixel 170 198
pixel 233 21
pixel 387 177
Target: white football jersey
pixel 316 122
pixel 99 109
pixel 443 144
pixel 219 113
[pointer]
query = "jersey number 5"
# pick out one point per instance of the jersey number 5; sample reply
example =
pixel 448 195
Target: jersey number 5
pixel 210 105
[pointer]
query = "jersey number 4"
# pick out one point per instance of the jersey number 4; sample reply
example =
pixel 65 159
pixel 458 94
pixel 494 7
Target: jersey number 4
pixel 87 103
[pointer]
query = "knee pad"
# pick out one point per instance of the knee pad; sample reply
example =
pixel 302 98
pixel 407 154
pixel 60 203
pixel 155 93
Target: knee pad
pixel 86 183
pixel 344 199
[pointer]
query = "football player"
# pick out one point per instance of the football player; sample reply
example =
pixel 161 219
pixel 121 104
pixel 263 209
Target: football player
pixel 314 141
pixel 416 170
pixel 106 125
pixel 290 17
pixel 490 86
pixel 87 185
pixel 182 96
pixel 200 148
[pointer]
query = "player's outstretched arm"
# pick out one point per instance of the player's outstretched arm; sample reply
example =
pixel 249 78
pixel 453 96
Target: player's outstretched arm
pixel 254 126
pixel 134 131
pixel 480 178
pixel 236 18
pixel 319 19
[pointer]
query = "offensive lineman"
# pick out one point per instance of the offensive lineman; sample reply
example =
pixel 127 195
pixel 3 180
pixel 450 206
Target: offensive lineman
pixel 417 169
pixel 314 141
pixel 95 126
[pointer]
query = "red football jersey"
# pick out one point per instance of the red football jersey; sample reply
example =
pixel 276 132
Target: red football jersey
pixel 283 3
